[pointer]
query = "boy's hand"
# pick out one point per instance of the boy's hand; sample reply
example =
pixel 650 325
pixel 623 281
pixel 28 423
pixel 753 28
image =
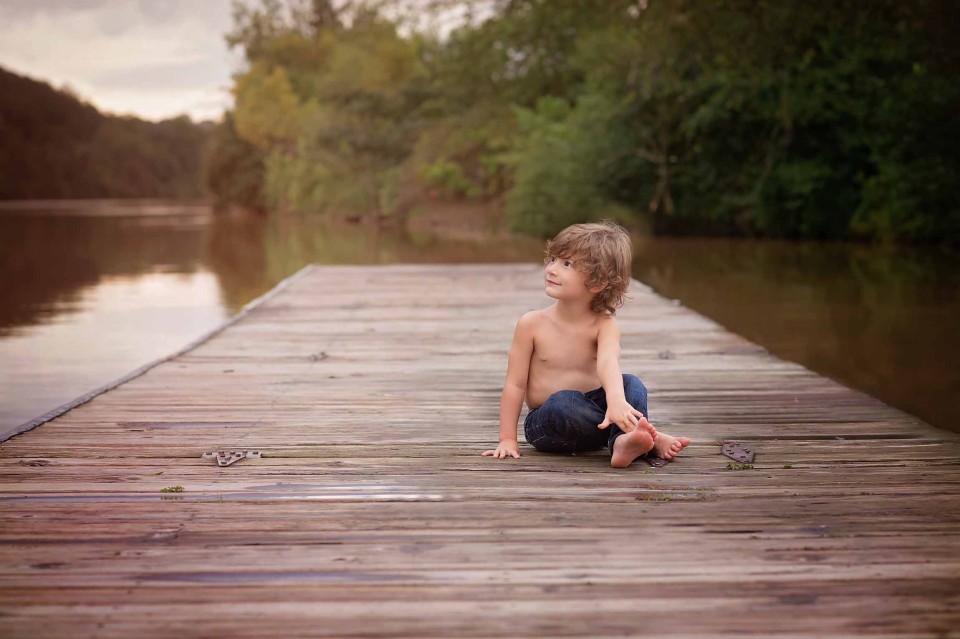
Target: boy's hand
pixel 507 448
pixel 627 418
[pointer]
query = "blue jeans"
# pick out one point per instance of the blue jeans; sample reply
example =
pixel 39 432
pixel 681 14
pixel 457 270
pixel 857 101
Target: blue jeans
pixel 567 422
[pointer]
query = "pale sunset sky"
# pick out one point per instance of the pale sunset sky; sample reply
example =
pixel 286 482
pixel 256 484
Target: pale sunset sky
pixel 151 58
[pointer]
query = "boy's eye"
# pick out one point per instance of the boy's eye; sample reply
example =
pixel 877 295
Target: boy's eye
pixel 553 259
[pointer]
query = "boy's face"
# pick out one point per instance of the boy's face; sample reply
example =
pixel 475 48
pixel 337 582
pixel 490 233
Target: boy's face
pixel 564 281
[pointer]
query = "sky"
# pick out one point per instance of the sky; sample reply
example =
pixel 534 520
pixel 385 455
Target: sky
pixel 154 59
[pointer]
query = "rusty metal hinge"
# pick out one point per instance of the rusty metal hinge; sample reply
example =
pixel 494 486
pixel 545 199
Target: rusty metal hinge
pixel 738 453
pixel 227 457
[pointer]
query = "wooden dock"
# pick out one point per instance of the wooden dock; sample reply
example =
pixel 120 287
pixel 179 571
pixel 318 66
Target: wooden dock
pixel 371 392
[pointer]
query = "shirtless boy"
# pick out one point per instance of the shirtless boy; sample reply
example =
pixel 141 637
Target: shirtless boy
pixel 565 359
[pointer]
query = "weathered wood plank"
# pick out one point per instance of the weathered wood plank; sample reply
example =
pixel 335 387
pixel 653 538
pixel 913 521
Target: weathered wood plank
pixel 371 392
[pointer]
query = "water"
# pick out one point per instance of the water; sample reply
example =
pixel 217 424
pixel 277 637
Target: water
pixel 93 290
pixel 881 320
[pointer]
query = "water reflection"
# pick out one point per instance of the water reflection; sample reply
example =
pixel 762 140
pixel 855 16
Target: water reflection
pixel 48 254
pixel 251 254
pixel 94 290
pixel 108 330
pixel 881 320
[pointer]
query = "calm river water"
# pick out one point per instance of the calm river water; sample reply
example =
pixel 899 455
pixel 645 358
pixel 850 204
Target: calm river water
pixel 93 290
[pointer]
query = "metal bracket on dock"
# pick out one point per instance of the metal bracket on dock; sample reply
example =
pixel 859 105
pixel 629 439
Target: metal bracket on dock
pixel 656 462
pixel 227 457
pixel 737 453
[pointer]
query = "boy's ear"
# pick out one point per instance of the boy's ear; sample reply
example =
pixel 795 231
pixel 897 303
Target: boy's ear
pixel 597 289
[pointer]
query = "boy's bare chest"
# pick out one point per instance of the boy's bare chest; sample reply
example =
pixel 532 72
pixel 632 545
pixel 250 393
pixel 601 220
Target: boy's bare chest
pixel 559 346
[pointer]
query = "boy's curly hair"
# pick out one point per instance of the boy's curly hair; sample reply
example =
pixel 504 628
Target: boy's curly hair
pixel 600 251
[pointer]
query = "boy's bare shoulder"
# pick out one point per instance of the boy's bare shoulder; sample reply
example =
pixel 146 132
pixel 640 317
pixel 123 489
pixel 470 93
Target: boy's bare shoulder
pixel 606 320
pixel 607 326
pixel 530 323
pixel 531 318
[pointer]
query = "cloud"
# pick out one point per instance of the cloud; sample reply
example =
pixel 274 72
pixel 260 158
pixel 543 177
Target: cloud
pixel 176 75
pixel 113 16
pixel 152 58
pixel 16 9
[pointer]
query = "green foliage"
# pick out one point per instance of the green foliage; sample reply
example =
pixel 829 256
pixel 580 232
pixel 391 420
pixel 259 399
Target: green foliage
pixel 52 145
pixel 447 177
pixel 466 153
pixel 268 112
pixel 563 159
pixel 234 168
pixel 172 489
pixel 334 109
pixel 831 119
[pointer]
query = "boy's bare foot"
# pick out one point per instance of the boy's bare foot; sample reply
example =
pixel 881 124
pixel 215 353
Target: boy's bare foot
pixel 668 446
pixel 629 446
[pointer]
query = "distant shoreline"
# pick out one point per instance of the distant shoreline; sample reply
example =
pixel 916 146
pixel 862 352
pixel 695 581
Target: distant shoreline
pixel 140 207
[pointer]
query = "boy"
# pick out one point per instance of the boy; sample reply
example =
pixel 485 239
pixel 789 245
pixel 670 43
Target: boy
pixel 560 353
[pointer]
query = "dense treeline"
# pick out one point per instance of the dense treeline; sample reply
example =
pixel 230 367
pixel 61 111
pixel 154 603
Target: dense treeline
pixel 823 119
pixel 52 145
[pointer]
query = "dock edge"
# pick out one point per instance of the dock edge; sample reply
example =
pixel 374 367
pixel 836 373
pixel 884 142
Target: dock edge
pixel 83 399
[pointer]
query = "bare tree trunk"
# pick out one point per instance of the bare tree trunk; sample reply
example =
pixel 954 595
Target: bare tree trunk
pixel 324 16
pixel 661 194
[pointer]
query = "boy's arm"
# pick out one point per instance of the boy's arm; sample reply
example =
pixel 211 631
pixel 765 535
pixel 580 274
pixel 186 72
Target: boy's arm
pixel 619 411
pixel 514 389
